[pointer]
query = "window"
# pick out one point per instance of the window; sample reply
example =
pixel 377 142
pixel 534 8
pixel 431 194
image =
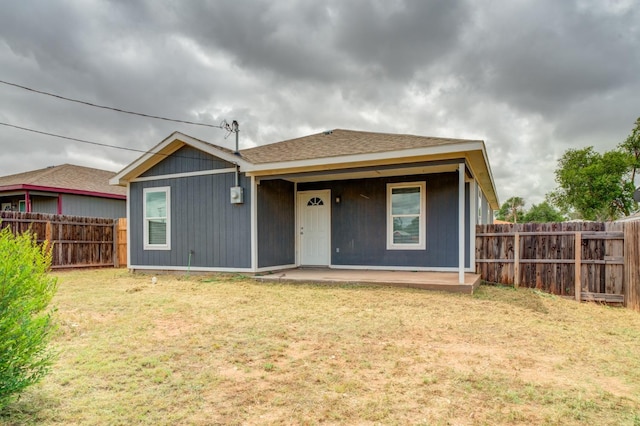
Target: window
pixel 315 201
pixel 406 216
pixel 157 218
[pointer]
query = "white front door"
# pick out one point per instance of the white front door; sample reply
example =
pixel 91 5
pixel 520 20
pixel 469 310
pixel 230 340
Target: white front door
pixel 314 227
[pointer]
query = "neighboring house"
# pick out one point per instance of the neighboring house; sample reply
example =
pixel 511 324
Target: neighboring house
pixel 339 199
pixel 66 189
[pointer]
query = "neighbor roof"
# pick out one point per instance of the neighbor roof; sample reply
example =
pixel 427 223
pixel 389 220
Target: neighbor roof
pixel 337 143
pixel 65 178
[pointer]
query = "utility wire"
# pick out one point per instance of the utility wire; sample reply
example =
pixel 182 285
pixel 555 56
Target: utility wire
pixel 96 143
pixel 72 139
pixel 221 126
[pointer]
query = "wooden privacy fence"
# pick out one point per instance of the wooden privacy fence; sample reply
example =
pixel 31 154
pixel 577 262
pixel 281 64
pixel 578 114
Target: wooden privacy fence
pixel 77 241
pixel 584 260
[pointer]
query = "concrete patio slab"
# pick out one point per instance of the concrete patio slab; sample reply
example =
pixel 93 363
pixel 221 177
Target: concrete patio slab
pixel 441 281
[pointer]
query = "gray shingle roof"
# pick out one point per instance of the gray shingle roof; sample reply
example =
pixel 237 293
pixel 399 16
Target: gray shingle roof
pixel 66 176
pixel 336 143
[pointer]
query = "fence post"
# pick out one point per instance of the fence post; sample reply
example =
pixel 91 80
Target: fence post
pixel 578 265
pixel 116 260
pixel 516 260
pixel 632 265
pixel 48 234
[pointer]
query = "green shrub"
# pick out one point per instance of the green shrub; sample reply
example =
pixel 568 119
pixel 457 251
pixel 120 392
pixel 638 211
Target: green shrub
pixel 25 322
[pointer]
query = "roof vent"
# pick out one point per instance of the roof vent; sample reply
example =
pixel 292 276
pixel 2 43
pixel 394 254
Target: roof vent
pixel 328 132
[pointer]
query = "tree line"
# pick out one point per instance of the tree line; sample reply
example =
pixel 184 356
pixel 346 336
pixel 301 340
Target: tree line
pixel 591 186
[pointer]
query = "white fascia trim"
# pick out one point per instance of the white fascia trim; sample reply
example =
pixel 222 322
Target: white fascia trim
pixel 184 175
pixel 275 268
pixel 400 268
pixel 118 179
pixel 186 268
pixel 389 155
pixel 179 139
pixel 486 161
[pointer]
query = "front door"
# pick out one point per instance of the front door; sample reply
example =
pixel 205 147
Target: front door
pixel 314 227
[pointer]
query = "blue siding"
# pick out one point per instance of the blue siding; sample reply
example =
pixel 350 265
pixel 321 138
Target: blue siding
pixel 359 222
pixel 276 223
pixel 187 159
pixel 204 223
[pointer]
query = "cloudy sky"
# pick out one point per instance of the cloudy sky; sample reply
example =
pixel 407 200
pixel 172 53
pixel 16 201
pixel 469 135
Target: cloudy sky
pixel 531 78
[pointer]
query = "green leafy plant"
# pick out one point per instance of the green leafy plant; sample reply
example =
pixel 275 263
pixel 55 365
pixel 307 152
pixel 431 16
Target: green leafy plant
pixel 26 322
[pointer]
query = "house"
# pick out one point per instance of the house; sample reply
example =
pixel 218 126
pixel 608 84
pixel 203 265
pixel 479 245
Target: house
pixel 67 189
pixel 339 199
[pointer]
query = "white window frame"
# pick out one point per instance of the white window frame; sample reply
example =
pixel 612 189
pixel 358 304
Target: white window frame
pixel 147 245
pixel 422 217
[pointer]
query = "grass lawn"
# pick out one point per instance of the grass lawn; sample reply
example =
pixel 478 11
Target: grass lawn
pixel 227 350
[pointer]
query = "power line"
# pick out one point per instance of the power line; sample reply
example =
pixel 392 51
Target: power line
pixel 72 139
pixel 96 143
pixel 223 125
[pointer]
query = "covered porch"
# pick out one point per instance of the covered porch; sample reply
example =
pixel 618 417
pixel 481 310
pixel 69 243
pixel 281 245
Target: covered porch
pixel 439 281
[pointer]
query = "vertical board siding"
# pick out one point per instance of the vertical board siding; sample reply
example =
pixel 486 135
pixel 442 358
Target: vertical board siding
pixel 206 229
pixel 359 222
pixel 276 223
pixel 187 159
pixel 81 205
pixel 49 205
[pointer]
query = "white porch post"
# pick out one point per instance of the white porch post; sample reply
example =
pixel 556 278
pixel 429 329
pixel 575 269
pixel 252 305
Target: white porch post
pixel 254 223
pixel 461 228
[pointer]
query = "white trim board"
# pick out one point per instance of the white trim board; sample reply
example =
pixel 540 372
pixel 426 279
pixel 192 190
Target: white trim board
pixel 184 175
pixel 186 268
pixel 401 268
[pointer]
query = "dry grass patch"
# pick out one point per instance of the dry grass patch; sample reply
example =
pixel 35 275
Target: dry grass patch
pixel 227 350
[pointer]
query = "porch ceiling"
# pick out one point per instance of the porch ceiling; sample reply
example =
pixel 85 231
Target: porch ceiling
pixel 370 173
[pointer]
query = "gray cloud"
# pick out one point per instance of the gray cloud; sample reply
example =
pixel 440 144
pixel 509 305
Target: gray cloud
pixel 531 78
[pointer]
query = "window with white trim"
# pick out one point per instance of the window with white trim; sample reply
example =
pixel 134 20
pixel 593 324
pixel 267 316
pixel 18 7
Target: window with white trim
pixel 157 218
pixel 406 216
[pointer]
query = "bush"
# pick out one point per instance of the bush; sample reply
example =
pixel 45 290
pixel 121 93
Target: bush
pixel 26 324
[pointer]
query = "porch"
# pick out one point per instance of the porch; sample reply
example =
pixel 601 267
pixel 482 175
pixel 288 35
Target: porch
pixel 439 281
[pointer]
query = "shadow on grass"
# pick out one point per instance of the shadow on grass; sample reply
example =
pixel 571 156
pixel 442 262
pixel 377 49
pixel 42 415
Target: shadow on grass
pixel 524 298
pixel 28 409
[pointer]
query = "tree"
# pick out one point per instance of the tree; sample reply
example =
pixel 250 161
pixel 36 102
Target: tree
pixel 632 147
pixel 511 210
pixel 542 213
pixel 25 322
pixel 595 186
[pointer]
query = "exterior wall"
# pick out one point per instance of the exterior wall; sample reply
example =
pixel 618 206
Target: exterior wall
pixel 187 159
pixel 47 205
pixel 81 205
pixel 486 216
pixel 359 222
pixel 276 223
pixel 207 231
